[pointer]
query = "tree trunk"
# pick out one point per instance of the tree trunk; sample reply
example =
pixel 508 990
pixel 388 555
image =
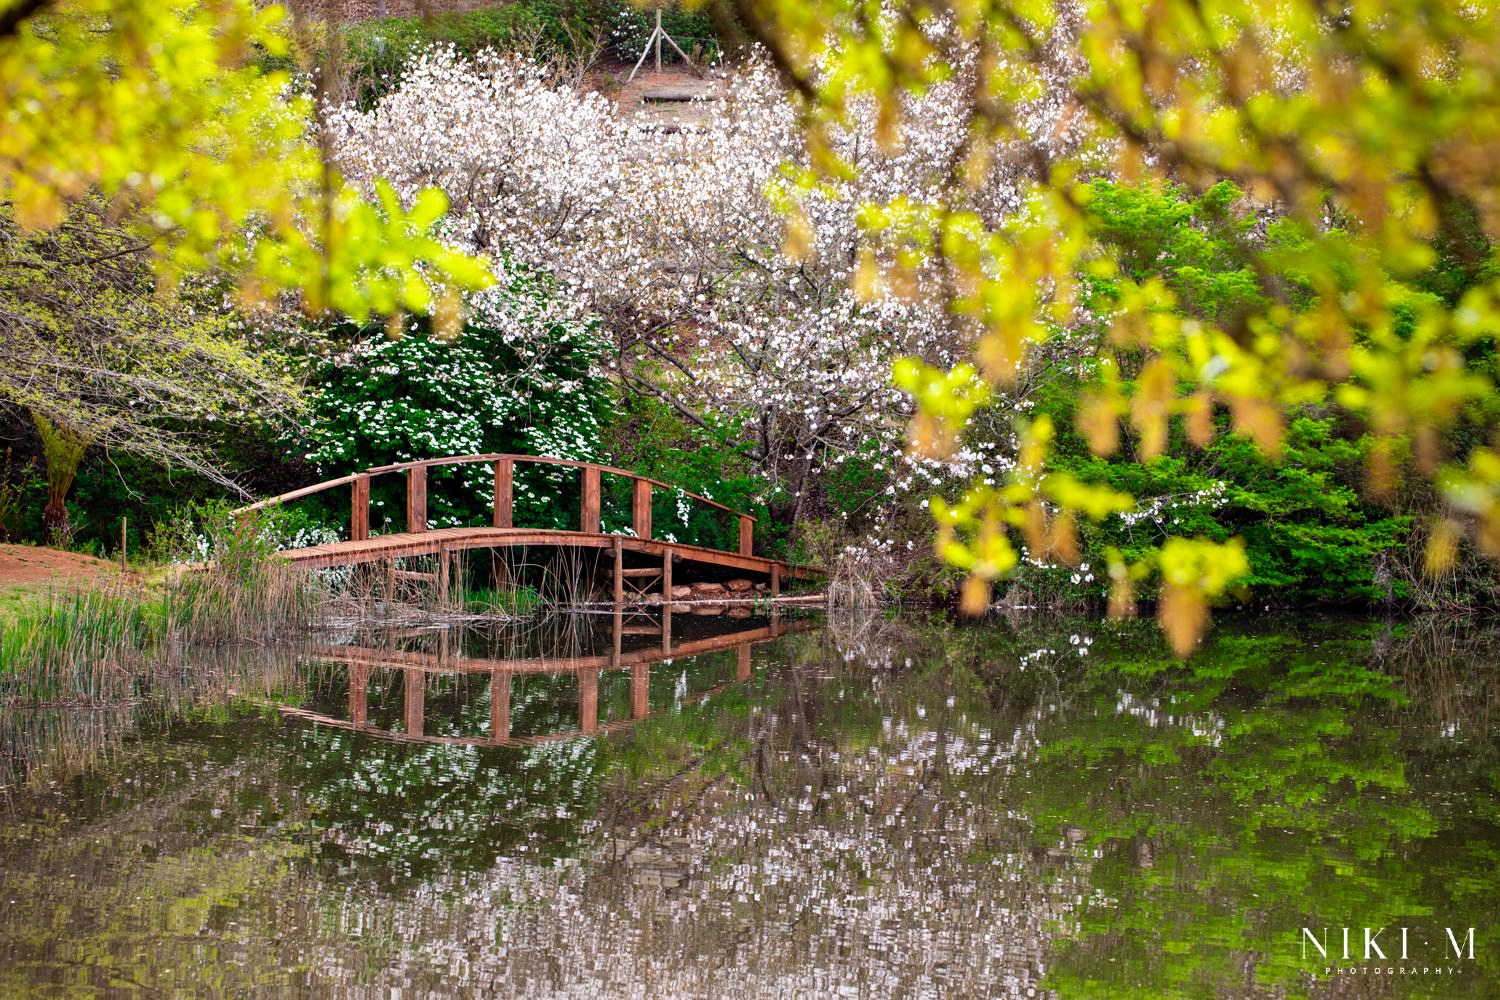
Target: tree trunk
pixel 63 447
pixel 56 530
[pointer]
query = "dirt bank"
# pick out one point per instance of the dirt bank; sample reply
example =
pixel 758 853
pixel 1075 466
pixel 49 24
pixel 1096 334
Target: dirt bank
pixel 29 565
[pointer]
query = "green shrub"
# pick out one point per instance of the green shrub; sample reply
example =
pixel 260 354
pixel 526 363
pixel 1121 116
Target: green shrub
pixel 522 377
pixel 713 460
pixel 1309 532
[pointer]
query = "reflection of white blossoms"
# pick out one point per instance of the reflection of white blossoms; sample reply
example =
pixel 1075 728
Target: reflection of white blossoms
pixel 873 867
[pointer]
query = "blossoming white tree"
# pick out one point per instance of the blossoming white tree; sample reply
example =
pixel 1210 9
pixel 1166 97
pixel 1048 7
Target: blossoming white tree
pixel 678 241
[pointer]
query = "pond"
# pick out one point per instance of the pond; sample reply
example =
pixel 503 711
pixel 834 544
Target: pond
pixel 893 806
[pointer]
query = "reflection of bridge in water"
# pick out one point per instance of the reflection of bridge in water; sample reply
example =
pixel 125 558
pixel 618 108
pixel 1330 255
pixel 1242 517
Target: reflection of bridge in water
pixel 416 667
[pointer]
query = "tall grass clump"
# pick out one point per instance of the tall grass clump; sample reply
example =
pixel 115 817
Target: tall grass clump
pixel 106 642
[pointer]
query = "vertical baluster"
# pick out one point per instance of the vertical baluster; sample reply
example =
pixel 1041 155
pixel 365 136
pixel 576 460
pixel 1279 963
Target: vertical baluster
pixel 505 470
pixel 414 707
pixel 640 691
pixel 588 700
pixel 499 706
pixel 359 694
pixel 747 534
pixel 359 509
pixel 588 520
pixel 416 498
pixel 640 509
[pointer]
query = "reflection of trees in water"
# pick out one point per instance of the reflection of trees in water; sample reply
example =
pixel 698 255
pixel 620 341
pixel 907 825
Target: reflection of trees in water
pixel 893 807
pixel 831 826
pixel 1273 782
pixel 52 743
pixel 402 811
pixel 115 878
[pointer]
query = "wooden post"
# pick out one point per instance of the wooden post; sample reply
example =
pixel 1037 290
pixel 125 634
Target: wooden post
pixel 666 594
pixel 124 562
pixel 505 471
pixel 640 508
pixel 359 694
pixel 742 661
pixel 359 509
pixel 588 700
pixel 443 582
pixel 776 579
pixel 416 498
pixel 588 520
pixel 415 708
pixel 747 535
pixel 500 705
pixel 640 690
pixel 390 581
pixel 617 635
pixel 619 572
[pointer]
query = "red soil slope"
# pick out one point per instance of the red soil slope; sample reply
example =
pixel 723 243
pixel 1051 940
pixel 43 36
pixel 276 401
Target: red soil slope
pixel 21 565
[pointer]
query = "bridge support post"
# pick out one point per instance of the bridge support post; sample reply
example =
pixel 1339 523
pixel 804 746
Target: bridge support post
pixel 640 508
pixel 619 572
pixel 775 579
pixel 359 509
pixel 747 535
pixel 666 596
pixel 416 498
pixel 588 515
pixel 499 706
pixel 588 700
pixel 414 708
pixel 505 472
pixel 640 691
pixel 444 581
pixel 742 661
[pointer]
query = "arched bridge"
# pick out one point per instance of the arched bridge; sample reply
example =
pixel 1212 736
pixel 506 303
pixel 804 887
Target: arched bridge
pixel 638 556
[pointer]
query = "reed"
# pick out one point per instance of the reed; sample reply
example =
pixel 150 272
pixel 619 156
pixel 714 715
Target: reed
pixel 103 642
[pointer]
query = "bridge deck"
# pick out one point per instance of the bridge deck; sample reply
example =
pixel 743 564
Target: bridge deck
pixel 439 541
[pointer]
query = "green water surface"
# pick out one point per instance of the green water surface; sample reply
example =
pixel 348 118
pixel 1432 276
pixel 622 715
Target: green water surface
pixel 880 807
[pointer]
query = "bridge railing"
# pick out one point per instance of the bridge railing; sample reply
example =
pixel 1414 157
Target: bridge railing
pixel 503 515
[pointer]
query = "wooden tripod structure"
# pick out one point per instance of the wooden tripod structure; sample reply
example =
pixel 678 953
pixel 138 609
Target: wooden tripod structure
pixel 657 36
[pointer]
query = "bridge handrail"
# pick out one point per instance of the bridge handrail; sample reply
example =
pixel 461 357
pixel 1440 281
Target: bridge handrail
pixel 589 512
pixel 425 463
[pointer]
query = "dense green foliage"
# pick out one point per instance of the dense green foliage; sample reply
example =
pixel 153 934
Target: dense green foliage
pixel 521 377
pixel 1307 531
pixel 1310 530
pixel 711 460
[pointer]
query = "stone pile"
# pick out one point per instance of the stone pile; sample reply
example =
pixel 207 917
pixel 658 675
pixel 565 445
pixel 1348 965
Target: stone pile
pixel 708 597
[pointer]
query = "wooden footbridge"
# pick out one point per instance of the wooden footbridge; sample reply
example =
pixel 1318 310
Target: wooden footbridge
pixel 637 556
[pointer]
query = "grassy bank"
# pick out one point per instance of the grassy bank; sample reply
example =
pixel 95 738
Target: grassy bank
pixel 102 641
